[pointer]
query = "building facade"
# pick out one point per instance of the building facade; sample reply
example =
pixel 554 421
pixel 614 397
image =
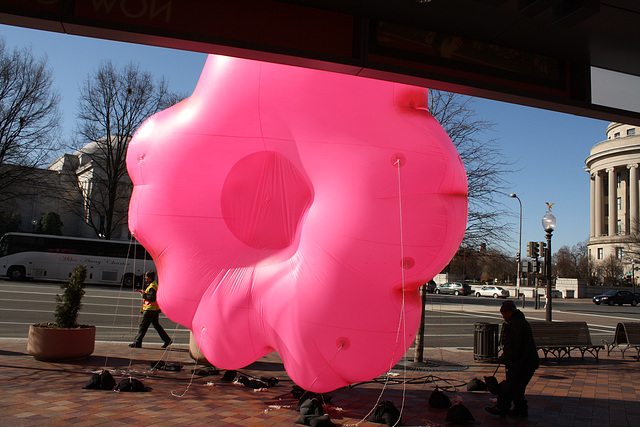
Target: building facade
pixel 614 209
pixel 72 187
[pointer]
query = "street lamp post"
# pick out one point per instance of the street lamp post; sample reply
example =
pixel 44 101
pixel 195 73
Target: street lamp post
pixel 519 256
pixel 633 276
pixel 548 224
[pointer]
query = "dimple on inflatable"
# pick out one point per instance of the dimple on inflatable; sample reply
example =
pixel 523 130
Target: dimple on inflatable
pixel 297 211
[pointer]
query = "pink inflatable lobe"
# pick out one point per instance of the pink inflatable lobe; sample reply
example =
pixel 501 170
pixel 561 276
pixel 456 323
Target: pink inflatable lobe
pixel 297 211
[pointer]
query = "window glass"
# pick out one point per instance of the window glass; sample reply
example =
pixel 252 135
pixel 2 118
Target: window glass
pixel 631 131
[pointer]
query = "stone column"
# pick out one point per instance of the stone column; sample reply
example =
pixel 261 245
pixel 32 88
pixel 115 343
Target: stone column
pixel 599 205
pixel 633 198
pixel 612 201
pixel 592 204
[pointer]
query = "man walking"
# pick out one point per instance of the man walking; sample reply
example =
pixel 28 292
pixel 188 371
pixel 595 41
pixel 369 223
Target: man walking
pixel 520 358
pixel 150 312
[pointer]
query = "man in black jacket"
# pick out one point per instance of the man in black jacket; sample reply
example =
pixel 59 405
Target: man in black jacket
pixel 520 358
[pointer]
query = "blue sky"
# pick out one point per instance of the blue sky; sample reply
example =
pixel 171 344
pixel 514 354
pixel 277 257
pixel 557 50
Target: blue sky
pixel 547 148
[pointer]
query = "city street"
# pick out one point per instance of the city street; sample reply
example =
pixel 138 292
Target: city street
pixel 575 392
pixel 114 312
pixel 449 320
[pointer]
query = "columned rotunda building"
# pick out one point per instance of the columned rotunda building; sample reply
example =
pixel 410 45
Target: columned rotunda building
pixel 615 206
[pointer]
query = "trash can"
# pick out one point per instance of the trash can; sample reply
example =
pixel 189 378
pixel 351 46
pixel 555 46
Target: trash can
pixel 485 342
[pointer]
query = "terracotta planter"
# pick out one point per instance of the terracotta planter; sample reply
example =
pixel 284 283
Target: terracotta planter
pixel 60 344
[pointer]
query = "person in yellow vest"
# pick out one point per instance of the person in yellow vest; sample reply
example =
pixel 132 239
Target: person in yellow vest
pixel 150 312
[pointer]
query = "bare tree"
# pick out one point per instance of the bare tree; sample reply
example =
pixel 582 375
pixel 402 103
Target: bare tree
pixel 29 117
pixel 485 165
pixel 482 265
pixel 567 263
pixel 497 265
pixel 573 262
pixel 113 104
pixel 610 270
pixel 584 264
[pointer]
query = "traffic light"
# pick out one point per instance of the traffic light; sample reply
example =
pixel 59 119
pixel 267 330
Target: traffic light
pixel 543 248
pixel 518 258
pixel 532 250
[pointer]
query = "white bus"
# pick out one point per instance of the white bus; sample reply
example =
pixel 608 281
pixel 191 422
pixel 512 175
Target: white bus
pixel 42 256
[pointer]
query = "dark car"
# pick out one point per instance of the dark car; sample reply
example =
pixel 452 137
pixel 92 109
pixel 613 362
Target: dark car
pixel 454 289
pixel 617 297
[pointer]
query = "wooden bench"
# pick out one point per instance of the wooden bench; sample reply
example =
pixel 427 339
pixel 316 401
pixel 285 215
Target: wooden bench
pixel 627 336
pixel 560 338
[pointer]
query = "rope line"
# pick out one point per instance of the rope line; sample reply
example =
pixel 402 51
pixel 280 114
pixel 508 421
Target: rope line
pixel 402 324
pixel 117 305
pixel 193 372
pixel 327 364
pixel 403 310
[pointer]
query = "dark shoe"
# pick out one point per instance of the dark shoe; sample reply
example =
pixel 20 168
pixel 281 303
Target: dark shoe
pixel 494 410
pixel 135 345
pixel 167 344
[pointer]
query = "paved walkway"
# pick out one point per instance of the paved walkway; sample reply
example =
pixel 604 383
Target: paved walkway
pixel 569 393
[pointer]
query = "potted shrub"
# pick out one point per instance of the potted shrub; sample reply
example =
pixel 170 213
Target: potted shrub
pixel 65 339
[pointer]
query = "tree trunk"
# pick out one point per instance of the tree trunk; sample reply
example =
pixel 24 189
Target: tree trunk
pixel 418 356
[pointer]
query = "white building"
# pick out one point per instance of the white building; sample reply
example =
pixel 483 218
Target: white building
pixel 71 187
pixel 614 208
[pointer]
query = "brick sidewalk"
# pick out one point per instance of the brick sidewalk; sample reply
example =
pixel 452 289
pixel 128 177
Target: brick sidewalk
pixel 569 393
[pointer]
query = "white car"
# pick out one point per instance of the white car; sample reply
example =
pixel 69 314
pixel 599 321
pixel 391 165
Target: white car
pixel 492 291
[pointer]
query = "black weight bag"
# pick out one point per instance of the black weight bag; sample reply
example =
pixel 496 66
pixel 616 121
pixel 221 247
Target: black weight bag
pixel 439 400
pixel 131 384
pixel 102 380
pixel 459 414
pixel 386 413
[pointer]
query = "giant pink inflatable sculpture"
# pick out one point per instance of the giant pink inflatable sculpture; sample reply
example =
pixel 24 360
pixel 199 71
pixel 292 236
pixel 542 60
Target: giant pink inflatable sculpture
pixel 299 211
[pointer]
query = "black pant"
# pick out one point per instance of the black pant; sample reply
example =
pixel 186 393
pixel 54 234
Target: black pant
pixel 151 317
pixel 513 388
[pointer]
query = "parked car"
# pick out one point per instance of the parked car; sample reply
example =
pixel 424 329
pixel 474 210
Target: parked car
pixel 492 291
pixel 617 297
pixel 454 289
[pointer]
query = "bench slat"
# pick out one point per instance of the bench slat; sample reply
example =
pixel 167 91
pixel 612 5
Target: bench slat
pixel 560 338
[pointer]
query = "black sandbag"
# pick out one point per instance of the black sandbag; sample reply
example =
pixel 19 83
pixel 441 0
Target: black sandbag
pixel 228 376
pixel 169 366
pixel 310 408
pixel 271 381
pixel 386 413
pixel 203 372
pixel 101 381
pixel 302 395
pixel 459 414
pixel 132 385
pixel 476 384
pixel 439 400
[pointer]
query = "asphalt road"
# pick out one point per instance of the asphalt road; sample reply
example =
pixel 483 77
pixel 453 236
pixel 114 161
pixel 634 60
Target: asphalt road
pixel 113 311
pixel 449 320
